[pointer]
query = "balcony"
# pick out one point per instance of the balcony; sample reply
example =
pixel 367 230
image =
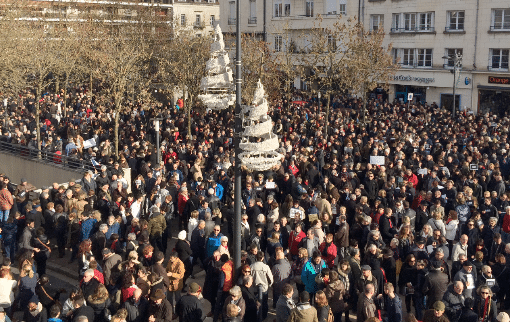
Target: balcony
pixel 415 30
pixel 252 20
pixel 231 21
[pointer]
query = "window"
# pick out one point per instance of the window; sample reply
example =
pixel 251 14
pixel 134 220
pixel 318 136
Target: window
pixel 197 20
pixel 424 58
pixel 331 43
pixel 455 20
pixel 413 22
pixel 498 59
pixel 282 8
pixel 232 13
pixel 425 21
pixel 451 52
pixel 413 57
pixel 212 20
pixel 253 9
pixel 278 43
pixel 183 20
pixel 409 21
pixel 408 58
pixel 500 19
pixel 309 8
pixel 343 10
pixel 376 22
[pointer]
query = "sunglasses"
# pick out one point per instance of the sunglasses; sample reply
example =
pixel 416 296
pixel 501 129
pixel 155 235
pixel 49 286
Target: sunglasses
pixel 484 292
pixel 216 230
pixel 247 271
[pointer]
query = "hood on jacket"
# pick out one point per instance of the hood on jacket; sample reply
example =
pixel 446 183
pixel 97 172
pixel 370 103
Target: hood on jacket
pixel 97 300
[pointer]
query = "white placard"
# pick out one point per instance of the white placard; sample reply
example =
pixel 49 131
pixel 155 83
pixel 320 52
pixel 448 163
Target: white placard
pixel 270 185
pixel 377 160
pixel 89 143
pixel 293 212
pixel 410 96
pixel 423 171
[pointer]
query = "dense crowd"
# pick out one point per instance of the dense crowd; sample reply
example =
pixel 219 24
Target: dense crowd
pixel 422 234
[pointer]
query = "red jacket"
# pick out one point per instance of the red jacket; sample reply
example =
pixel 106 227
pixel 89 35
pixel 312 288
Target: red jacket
pixel 412 178
pixel 294 242
pixel 506 224
pixel 181 203
pixel 331 254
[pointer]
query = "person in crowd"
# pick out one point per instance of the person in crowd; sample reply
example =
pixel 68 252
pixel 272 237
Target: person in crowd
pixel 285 303
pixel 436 313
pixel 303 312
pixel 454 301
pixel 190 308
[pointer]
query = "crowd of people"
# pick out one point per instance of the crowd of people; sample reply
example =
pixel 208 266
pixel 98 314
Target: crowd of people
pixel 404 217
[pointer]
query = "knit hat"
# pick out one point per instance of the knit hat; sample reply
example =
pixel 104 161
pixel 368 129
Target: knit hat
pixel 503 317
pixel 182 235
pixel 439 306
pixel 194 288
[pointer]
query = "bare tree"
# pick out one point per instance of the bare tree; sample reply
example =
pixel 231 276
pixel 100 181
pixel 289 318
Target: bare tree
pixel 182 63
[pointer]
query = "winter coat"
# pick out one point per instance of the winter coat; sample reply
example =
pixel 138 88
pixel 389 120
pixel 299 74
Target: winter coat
pixel 157 225
pixel 331 253
pixel 303 312
pixel 212 244
pixel 281 275
pixel 366 308
pixel 437 224
pixel 393 307
pixel 335 292
pixel 250 301
pixel 342 235
pixel 454 303
pixel 162 312
pixel 451 229
pixel 323 313
pixel 468 316
pixel 177 270
pixel 435 286
pixel 465 277
pixel 100 307
pixel 284 307
pixel 189 309
pixel 430 316
pixel 308 275
pixel 240 304
pixel 137 312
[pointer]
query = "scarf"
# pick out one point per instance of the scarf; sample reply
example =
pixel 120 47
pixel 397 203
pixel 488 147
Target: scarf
pixel 486 309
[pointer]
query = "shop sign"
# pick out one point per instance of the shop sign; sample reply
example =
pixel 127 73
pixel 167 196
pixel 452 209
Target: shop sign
pixel 409 78
pixel 499 80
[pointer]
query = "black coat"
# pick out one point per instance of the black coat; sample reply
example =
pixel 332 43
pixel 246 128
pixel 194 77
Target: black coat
pixel 189 309
pixel 183 250
pixel 85 311
pixel 250 300
pixel 136 312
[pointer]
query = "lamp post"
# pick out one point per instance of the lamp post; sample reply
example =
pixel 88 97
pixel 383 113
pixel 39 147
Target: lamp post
pixel 156 129
pixel 237 140
pixel 457 65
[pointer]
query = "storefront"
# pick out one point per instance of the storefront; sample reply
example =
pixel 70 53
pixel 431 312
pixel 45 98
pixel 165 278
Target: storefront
pixel 431 86
pixel 493 93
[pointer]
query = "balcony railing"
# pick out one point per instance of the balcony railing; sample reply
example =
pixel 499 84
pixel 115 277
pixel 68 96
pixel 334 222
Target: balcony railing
pixel 453 29
pixel 252 20
pixel 231 21
pixel 411 30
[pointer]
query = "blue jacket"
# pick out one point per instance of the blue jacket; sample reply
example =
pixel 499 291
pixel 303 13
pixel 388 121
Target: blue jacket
pixel 308 275
pixel 219 191
pixel 212 244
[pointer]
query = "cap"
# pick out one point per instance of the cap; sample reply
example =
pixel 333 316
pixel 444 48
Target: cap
pixel 23 180
pixel 468 264
pixel 194 288
pixel 182 236
pixel 366 268
pixel 438 306
pixel 107 251
pixel 158 295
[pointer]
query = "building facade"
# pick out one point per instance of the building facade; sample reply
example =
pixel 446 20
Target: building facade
pixel 426 35
pixel 199 15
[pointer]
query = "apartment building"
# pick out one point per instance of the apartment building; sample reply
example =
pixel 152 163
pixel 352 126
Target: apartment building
pixel 199 15
pixel 425 36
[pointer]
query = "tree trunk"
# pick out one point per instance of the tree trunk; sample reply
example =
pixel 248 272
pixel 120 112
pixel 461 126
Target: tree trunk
pixel 327 114
pixel 116 128
pixel 57 85
pixel 65 95
pixel 90 85
pixel 37 109
pixel 188 110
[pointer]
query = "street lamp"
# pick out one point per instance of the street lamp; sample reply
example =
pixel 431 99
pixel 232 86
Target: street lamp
pixel 457 66
pixel 156 129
